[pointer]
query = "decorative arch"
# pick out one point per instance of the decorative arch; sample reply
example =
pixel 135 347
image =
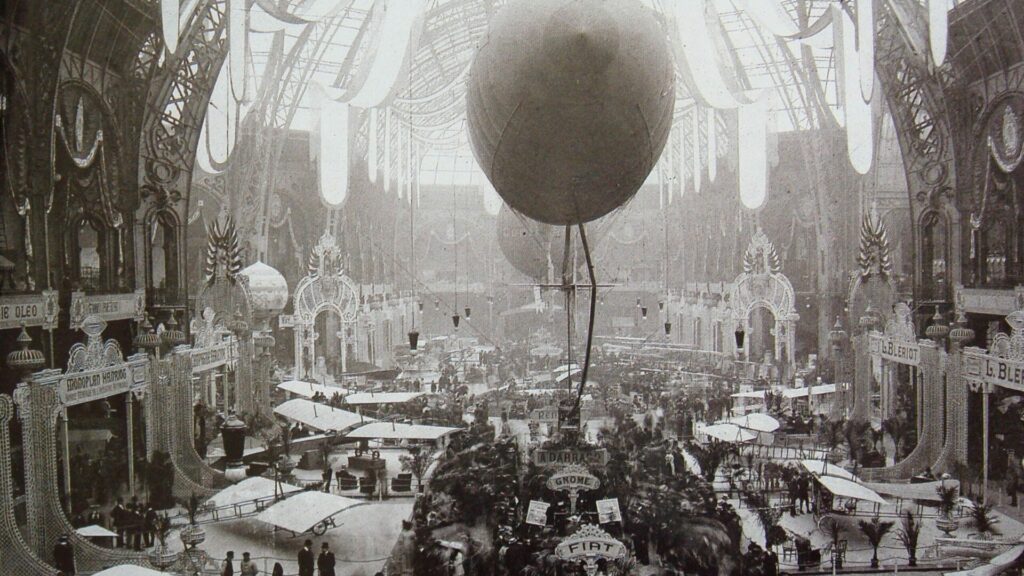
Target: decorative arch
pixel 763 285
pixel 325 288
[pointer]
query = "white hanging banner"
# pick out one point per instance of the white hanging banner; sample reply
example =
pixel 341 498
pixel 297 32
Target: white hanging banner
pixel 695 148
pixel 169 24
pixel 681 160
pixel 712 145
pixel 866 47
pixel 333 158
pixel 237 46
pixel 857 113
pixel 403 20
pixel 371 153
pixel 938 29
pixel 387 149
pixel 752 152
pixel 400 162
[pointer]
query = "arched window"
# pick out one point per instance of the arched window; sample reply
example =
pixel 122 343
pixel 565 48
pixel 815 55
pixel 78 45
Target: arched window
pixel 934 249
pixel 87 255
pixel 162 259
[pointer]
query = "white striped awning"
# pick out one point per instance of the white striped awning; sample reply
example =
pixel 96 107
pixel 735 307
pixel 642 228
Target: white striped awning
pixel 320 416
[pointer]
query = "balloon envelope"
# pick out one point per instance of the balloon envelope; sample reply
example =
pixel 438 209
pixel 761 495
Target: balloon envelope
pixel 569 105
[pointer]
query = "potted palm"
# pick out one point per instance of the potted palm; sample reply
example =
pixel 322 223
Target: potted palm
pixel 908 534
pixel 192 535
pixel 161 556
pixel 948 496
pixel 984 521
pixel 834 530
pixel 874 531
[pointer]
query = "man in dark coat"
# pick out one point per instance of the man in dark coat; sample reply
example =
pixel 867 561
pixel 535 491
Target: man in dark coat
pixel 306 561
pixel 64 556
pixel 325 562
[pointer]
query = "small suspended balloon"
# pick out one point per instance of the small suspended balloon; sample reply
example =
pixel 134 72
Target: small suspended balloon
pixel 468 311
pixel 643 312
pixel 661 305
pixel 455 320
pixel 668 328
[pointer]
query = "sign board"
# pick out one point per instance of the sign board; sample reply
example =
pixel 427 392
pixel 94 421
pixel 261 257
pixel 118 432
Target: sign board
pixel 82 387
pixel 564 456
pixel 537 513
pixel 545 415
pixel 898 351
pixel 286 321
pixel 210 357
pixel 608 511
pixel 29 310
pixel 994 370
pixel 590 544
pixel 572 479
pixel 130 306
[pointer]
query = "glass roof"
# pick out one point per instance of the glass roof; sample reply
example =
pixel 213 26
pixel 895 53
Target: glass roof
pixel 799 76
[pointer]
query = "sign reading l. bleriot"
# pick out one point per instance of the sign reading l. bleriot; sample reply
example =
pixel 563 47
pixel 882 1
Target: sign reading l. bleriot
pixel 596 457
pixel 898 351
pixel 994 370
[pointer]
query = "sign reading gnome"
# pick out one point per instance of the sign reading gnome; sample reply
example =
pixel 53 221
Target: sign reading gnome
pixel 588 545
pixel 573 479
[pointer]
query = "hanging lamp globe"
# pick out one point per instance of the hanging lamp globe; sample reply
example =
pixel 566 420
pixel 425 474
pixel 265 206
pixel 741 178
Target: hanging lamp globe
pixel 643 312
pixel 668 328
pixel 146 338
pixel 468 311
pixel 414 339
pixel 455 320
pixel 961 333
pixel 25 360
pixel 573 98
pixel 937 330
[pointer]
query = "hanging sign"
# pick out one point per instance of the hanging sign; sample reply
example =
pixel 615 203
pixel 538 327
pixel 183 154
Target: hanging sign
pixel 83 387
pixel 899 351
pixel 596 457
pixel 537 513
pixel 545 415
pixel 590 544
pixel 573 479
pixel 130 306
pixel 994 370
pixel 608 511
pixel 210 357
pixel 286 320
pixel 29 310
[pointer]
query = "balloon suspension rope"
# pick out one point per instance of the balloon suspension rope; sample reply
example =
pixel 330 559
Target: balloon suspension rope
pixel 590 322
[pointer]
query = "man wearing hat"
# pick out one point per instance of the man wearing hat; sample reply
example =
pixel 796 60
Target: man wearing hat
pixel 64 556
pixel 306 560
pixel 325 562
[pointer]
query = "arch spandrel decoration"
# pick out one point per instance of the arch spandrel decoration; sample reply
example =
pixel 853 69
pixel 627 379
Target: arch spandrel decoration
pixel 763 285
pixel 325 288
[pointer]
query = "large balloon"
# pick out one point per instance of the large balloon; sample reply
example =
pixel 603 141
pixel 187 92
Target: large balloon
pixel 569 105
pixel 531 247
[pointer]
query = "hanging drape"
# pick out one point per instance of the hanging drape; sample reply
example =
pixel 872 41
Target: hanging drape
pixel 712 145
pixel 387 149
pixel 866 47
pixel 752 153
pixel 238 40
pixel 938 29
pixel 856 112
pixel 333 156
pixel 700 63
pixel 400 29
pixel 695 147
pixel 371 153
pixel 169 24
